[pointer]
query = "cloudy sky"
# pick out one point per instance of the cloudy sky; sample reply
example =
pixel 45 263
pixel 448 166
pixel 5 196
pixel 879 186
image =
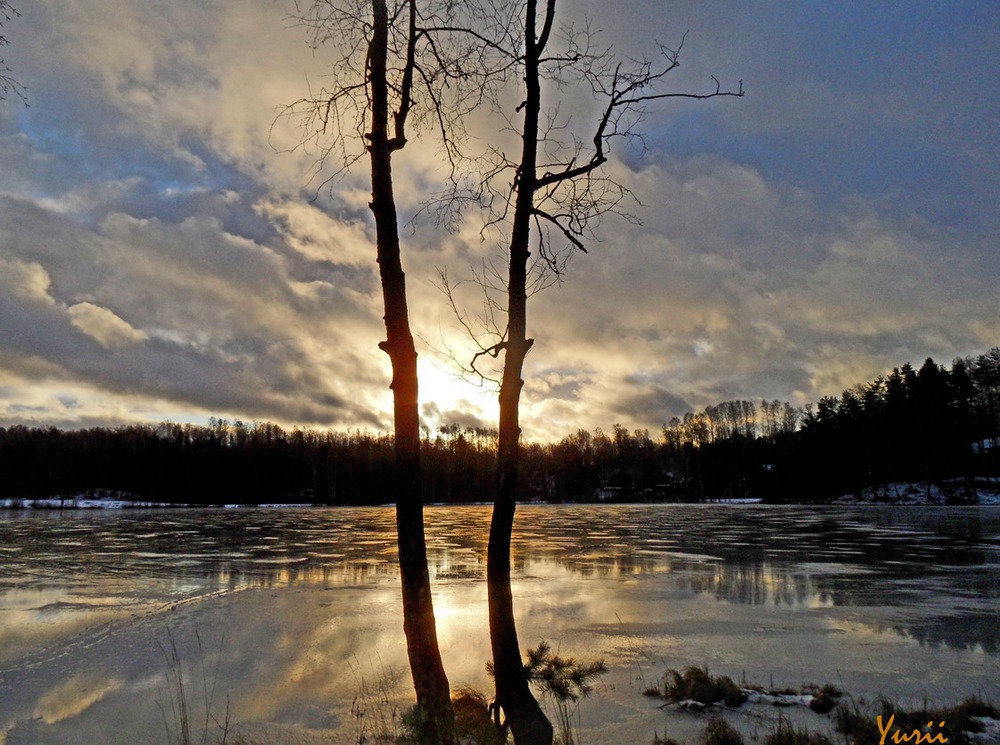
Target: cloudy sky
pixel 162 257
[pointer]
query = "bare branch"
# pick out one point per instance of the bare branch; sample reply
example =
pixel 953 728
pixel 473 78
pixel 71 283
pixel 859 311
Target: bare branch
pixel 623 92
pixel 474 330
pixel 570 235
pixel 495 46
pixel 8 83
pixel 718 92
pixel 399 118
pixel 442 67
pixel 543 37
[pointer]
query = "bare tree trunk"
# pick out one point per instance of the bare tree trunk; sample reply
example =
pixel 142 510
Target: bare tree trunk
pixel 527 721
pixel 429 679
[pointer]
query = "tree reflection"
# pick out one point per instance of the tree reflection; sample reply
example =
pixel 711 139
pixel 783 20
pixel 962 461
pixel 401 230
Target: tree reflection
pixel 869 560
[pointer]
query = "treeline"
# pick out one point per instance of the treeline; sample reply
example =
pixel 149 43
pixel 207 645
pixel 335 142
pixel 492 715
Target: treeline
pixel 925 425
pixel 235 462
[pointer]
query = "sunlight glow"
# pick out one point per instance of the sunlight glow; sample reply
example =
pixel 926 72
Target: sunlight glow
pixel 446 398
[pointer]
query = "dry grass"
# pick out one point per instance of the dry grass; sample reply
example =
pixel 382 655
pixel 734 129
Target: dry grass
pixel 956 723
pixel 697 684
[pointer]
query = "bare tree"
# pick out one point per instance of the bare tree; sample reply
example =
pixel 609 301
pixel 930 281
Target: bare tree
pixel 8 84
pixel 551 198
pixel 397 65
pixel 427 669
pixel 555 194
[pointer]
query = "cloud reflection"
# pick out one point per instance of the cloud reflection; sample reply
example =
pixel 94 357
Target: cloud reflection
pixel 299 610
pixel 791 557
pixel 74 696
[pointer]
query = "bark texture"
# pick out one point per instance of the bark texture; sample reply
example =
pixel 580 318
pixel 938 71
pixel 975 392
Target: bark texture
pixel 429 679
pixel 528 722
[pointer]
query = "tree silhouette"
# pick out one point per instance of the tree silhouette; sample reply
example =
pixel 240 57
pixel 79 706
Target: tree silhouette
pixel 553 195
pixel 387 62
pixel 846 444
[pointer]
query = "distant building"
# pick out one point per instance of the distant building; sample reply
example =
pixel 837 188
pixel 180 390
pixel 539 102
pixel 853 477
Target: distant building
pixel 984 446
pixel 608 494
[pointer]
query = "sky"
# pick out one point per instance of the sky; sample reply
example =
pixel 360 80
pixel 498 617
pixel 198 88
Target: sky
pixel 166 253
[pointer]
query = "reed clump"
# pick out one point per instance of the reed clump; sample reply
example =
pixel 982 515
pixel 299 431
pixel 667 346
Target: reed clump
pixel 697 684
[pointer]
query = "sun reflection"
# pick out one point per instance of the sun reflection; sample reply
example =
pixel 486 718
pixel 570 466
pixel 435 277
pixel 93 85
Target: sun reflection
pixel 311 618
pixel 454 614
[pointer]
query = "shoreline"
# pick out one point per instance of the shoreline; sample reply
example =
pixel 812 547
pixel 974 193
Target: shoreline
pixel 986 493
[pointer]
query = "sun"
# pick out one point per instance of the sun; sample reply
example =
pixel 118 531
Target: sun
pixel 444 395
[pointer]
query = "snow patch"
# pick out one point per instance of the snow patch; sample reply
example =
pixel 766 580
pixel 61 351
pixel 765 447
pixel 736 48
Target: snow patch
pixel 107 503
pixel 983 491
pixel 778 699
pixel 991 730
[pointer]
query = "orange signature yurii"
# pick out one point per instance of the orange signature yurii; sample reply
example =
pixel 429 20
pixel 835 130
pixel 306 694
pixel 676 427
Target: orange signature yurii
pixel 916 736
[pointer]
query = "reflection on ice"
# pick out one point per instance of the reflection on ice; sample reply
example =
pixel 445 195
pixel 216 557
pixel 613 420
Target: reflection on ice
pixel 73 696
pixel 299 609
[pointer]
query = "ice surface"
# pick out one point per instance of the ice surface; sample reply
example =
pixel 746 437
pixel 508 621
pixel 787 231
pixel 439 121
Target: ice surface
pixel 291 613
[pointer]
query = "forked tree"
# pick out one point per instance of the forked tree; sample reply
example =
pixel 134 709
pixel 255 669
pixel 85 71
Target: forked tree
pixel 395 64
pixel 551 197
pixel 462 54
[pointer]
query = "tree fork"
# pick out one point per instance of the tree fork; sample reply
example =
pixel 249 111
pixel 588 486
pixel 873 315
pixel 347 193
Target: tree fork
pixel 527 721
pixel 427 670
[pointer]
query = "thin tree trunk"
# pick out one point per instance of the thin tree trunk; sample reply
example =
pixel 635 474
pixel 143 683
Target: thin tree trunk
pixel 527 721
pixel 429 679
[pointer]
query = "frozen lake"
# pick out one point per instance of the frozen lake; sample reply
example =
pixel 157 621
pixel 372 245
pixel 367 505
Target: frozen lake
pixel 292 614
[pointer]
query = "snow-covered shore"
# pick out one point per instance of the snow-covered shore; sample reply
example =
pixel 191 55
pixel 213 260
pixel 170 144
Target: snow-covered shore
pixel 119 502
pixel 982 491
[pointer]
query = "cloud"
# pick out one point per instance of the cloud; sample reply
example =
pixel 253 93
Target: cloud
pixel 161 257
pixel 318 236
pixel 741 289
pixel 214 321
pixel 435 416
pixel 25 280
pixel 102 325
pixel 651 403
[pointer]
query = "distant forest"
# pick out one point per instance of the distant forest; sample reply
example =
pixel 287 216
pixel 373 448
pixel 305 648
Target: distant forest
pixel 927 425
